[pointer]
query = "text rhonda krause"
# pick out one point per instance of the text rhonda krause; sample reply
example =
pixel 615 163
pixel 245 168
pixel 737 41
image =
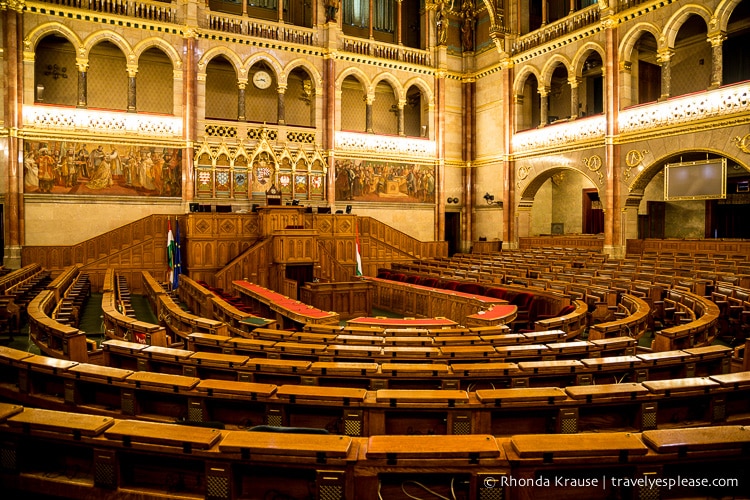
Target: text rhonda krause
pixel 645 481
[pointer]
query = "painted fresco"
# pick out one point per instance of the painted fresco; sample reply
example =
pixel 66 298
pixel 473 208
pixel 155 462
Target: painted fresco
pixel 365 180
pixel 67 167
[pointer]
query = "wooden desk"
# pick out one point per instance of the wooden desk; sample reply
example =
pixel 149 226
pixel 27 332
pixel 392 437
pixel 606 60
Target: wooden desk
pixel 187 438
pixel 693 384
pixel 421 396
pixel 502 339
pixel 162 380
pixel 738 380
pixel 354 350
pixel 486 369
pixel 556 366
pixel 13 355
pixel 606 391
pixel 289 445
pixel 216 359
pixel 167 353
pixel 698 438
pixel 343 395
pixel 53 365
pixel 8 410
pixel 77 424
pixel 451 340
pixel 612 362
pixel 471 351
pixel 87 371
pixel 432 447
pixel 360 339
pixel 277 365
pixel 414 369
pixel 522 350
pixel 395 323
pixel 251 389
pixel 410 352
pixel 710 351
pixel 551 446
pixel 123 347
pixel 300 348
pixel 344 369
pixel 521 395
pixel 545 336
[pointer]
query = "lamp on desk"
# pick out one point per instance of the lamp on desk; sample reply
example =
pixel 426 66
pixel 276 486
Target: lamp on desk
pixel 490 199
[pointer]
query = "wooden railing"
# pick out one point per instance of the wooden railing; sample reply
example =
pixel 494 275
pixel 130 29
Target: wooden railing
pixel 253 264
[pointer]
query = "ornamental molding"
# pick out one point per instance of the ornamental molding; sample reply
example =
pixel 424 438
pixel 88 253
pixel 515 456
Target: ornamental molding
pixel 682 110
pixel 82 121
pixel 560 134
pixel 352 142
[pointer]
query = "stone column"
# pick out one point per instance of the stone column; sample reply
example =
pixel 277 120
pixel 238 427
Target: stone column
pixel 281 115
pixel 401 104
pixel 717 65
pixel 132 71
pixel 544 101
pixel 399 14
pixel 664 58
pixel 330 126
pixel 190 79
pixel 83 66
pixel 368 114
pixel 573 82
pixel 12 31
pixel 241 96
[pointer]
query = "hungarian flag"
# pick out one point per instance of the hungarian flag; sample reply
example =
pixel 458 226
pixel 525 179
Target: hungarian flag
pixel 177 258
pixel 171 247
pixel 358 271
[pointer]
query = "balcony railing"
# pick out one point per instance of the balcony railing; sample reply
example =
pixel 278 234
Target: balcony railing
pixel 391 52
pixel 153 11
pixel 99 122
pixel 711 104
pixel 560 134
pixel 557 29
pixel 240 25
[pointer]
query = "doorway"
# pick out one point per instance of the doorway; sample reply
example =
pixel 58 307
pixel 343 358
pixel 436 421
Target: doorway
pixel 453 231
pixel 593 213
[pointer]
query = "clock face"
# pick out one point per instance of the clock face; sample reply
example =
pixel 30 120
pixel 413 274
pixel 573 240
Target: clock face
pixel 262 79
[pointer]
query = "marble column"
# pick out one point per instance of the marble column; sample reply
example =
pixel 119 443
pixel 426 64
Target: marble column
pixel 368 114
pixel 664 58
pixel 717 65
pixel 330 126
pixel 12 30
pixel 401 104
pixel 241 96
pixel 190 78
pixel 281 114
pixel 543 104
pixel 132 71
pixel 573 82
pixel 399 14
pixel 83 67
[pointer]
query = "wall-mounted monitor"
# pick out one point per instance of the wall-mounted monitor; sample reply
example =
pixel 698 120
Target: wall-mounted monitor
pixel 696 180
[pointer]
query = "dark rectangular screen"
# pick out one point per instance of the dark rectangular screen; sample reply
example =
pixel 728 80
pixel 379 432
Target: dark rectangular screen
pixel 700 180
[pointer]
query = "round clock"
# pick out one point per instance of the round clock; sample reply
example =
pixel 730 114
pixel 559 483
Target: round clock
pixel 262 79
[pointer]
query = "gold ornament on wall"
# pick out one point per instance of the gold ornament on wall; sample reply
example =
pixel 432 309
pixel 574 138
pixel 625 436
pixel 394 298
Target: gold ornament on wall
pixel 633 158
pixel 594 163
pixel 743 143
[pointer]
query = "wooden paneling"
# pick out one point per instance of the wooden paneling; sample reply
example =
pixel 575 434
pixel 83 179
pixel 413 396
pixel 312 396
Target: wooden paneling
pixel 350 299
pixel 595 243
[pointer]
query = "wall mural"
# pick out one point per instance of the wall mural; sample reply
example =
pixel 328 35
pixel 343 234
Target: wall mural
pixel 68 167
pixel 366 180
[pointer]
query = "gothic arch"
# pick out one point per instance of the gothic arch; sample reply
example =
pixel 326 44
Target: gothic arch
pixel 632 36
pixel 34 36
pixel 398 90
pixel 159 43
pixel 311 70
pixel 551 65
pixel 672 26
pixel 230 55
pixel 523 76
pixel 273 63
pixel 357 73
pixel 422 86
pixel 108 36
pixel 583 54
pixel 722 14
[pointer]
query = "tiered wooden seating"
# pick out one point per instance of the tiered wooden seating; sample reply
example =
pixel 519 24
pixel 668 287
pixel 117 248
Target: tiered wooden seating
pixel 118 324
pixel 179 323
pixel 52 337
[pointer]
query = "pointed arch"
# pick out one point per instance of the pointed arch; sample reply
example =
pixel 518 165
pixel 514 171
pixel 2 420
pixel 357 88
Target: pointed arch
pixel 159 43
pixel 672 26
pixel 309 68
pixel 112 37
pixel 633 35
pixel 582 54
pixel 422 86
pixel 398 89
pixel 210 54
pixel 270 61
pixel 35 35
pixel 551 65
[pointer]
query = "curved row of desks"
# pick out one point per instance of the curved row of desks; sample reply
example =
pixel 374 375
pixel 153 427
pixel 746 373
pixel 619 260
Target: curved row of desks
pixel 145 391
pixel 89 455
